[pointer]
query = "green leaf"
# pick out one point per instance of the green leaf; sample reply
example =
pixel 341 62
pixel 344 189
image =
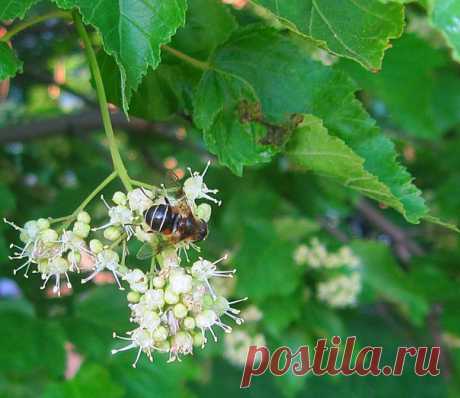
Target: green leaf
pixel 91 381
pixel 289 82
pixel 9 63
pixel 208 24
pixel 357 29
pixel 155 99
pixel 384 276
pixel 15 8
pixel 413 66
pixel 312 147
pixel 218 111
pixel 272 264
pixel 32 345
pixel 445 15
pixel 132 33
pixel 101 311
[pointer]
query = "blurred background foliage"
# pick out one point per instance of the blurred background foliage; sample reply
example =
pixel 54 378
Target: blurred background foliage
pixel 53 153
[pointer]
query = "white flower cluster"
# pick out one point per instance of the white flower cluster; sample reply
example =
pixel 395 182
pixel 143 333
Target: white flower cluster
pixel 341 282
pixel 52 253
pixel 340 291
pixel 316 256
pixel 174 307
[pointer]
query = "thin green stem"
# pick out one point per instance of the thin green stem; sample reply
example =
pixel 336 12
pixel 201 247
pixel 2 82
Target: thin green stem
pixel 102 99
pixel 91 196
pixel 33 21
pixel 187 58
pixel 137 183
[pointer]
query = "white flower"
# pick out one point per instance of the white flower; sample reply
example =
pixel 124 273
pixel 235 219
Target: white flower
pixel 54 267
pixel 137 280
pixel 203 270
pixel 140 200
pixel 182 343
pixel 224 307
pixel 153 299
pixel 39 243
pixel 142 340
pixel 120 216
pixel 340 291
pixel 180 282
pixel 195 188
pixel 106 259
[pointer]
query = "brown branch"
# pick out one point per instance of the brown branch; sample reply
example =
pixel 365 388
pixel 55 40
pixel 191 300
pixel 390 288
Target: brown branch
pixel 88 121
pixel 404 246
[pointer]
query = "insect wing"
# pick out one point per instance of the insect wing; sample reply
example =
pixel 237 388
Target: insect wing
pixel 149 249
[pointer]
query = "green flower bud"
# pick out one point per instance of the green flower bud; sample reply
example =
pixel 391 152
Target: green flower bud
pixel 96 246
pixel 180 310
pixel 81 229
pixel 133 297
pixel 160 334
pixel 119 198
pixel 43 223
pixel 49 235
pixel 189 323
pixel 198 339
pixel 158 282
pixel 84 217
pixel 24 237
pixel 112 233
pixel 171 297
pixel 208 301
pixel 203 212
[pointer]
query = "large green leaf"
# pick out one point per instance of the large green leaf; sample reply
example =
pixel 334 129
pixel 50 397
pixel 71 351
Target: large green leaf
pixel 91 381
pixel 218 111
pixel 132 32
pixel 10 9
pixel 312 147
pixel 445 15
pixel 9 63
pixel 289 82
pixel 33 345
pixel 413 66
pixel 356 29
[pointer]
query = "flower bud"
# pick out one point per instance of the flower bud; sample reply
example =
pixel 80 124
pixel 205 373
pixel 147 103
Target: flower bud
pixel 112 233
pixel 171 297
pixel 74 257
pixel 158 282
pixel 203 212
pixel 84 217
pixel 49 235
pixel 43 223
pixel 189 323
pixel 180 310
pixel 133 297
pixel 31 228
pixel 160 333
pixel 198 340
pixel 81 229
pixel 96 246
pixel 119 198
pixel 180 283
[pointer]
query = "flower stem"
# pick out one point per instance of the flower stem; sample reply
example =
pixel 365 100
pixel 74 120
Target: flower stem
pixel 33 21
pixel 102 99
pixel 187 58
pixel 91 196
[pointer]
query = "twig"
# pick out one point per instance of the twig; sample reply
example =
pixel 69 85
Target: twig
pixel 404 246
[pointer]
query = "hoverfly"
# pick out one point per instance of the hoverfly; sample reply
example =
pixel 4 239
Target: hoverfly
pixel 173 221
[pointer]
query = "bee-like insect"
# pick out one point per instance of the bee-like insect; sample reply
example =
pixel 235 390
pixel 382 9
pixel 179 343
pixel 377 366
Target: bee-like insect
pixel 176 222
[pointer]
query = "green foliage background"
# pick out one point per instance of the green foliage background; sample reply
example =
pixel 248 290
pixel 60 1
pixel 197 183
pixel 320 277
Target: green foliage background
pixel 307 107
